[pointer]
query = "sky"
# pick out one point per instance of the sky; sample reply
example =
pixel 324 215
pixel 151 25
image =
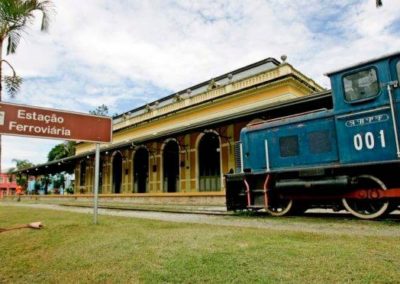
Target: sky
pixel 126 53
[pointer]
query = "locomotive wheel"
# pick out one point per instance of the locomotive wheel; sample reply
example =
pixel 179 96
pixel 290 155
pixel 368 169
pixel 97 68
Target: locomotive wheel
pixel 367 209
pixel 278 206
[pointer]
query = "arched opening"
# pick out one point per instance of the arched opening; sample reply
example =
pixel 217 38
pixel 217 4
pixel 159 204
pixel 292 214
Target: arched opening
pixel 209 163
pixel 82 173
pixel 117 172
pixel 82 177
pixel 101 165
pixel 171 166
pixel 141 170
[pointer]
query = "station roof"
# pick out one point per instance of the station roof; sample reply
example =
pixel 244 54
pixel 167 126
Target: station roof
pixel 68 164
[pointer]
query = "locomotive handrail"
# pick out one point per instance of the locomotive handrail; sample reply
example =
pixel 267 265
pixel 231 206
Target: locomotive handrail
pixel 341 116
pixel 267 156
pixel 266 188
pixel 241 157
pixel 247 192
pixel 394 119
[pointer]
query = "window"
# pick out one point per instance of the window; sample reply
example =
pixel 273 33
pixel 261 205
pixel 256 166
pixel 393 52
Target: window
pixel 318 142
pixel 289 146
pixel 361 85
pixel 398 70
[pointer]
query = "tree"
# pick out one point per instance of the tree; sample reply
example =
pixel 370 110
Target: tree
pixel 22 165
pixel 62 150
pixel 15 16
pixel 100 110
pixel 19 166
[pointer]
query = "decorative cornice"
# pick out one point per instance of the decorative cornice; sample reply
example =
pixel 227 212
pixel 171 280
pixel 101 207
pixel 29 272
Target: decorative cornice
pixel 215 92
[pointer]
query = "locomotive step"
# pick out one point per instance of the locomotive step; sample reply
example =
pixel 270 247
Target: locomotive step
pixel 257 191
pixel 255 207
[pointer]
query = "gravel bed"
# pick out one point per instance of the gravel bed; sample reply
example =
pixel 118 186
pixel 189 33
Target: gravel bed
pixel 337 226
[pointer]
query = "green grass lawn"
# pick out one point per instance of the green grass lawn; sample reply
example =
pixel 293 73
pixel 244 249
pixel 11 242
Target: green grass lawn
pixel 71 249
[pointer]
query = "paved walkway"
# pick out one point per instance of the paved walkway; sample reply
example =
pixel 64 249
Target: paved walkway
pixel 337 226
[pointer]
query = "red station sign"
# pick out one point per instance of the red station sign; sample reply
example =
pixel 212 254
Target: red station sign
pixel 49 123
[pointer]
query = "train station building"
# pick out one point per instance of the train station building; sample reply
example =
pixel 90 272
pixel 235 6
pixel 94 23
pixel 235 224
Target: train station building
pixel 180 146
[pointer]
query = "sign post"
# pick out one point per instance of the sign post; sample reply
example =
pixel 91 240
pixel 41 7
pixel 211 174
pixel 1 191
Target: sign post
pixel 23 120
pixel 96 182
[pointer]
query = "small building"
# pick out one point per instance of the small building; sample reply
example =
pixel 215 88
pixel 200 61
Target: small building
pixel 180 146
pixel 8 185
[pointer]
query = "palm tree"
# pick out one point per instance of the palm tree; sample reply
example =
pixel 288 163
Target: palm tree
pixel 15 16
pixel 19 166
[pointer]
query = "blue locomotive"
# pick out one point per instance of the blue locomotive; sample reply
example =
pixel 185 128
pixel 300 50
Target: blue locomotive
pixel 347 157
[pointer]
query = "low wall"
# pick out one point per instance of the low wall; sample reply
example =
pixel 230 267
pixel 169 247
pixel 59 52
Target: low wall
pixel 198 198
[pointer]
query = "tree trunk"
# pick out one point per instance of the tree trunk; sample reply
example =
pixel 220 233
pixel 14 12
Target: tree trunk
pixel 1 69
pixel 1 90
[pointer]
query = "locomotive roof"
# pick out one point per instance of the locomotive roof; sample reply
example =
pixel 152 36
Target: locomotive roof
pixel 290 119
pixel 359 64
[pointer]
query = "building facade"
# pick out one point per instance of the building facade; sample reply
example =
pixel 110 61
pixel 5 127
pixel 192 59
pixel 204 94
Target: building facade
pixel 8 185
pixel 186 142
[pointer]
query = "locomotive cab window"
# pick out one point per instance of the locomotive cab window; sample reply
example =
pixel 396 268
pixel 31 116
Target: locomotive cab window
pixel 361 85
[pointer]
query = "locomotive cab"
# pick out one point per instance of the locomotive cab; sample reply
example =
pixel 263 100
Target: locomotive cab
pixel 366 99
pixel 345 157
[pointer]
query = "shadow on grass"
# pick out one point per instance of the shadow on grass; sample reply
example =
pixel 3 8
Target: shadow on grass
pixel 393 218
